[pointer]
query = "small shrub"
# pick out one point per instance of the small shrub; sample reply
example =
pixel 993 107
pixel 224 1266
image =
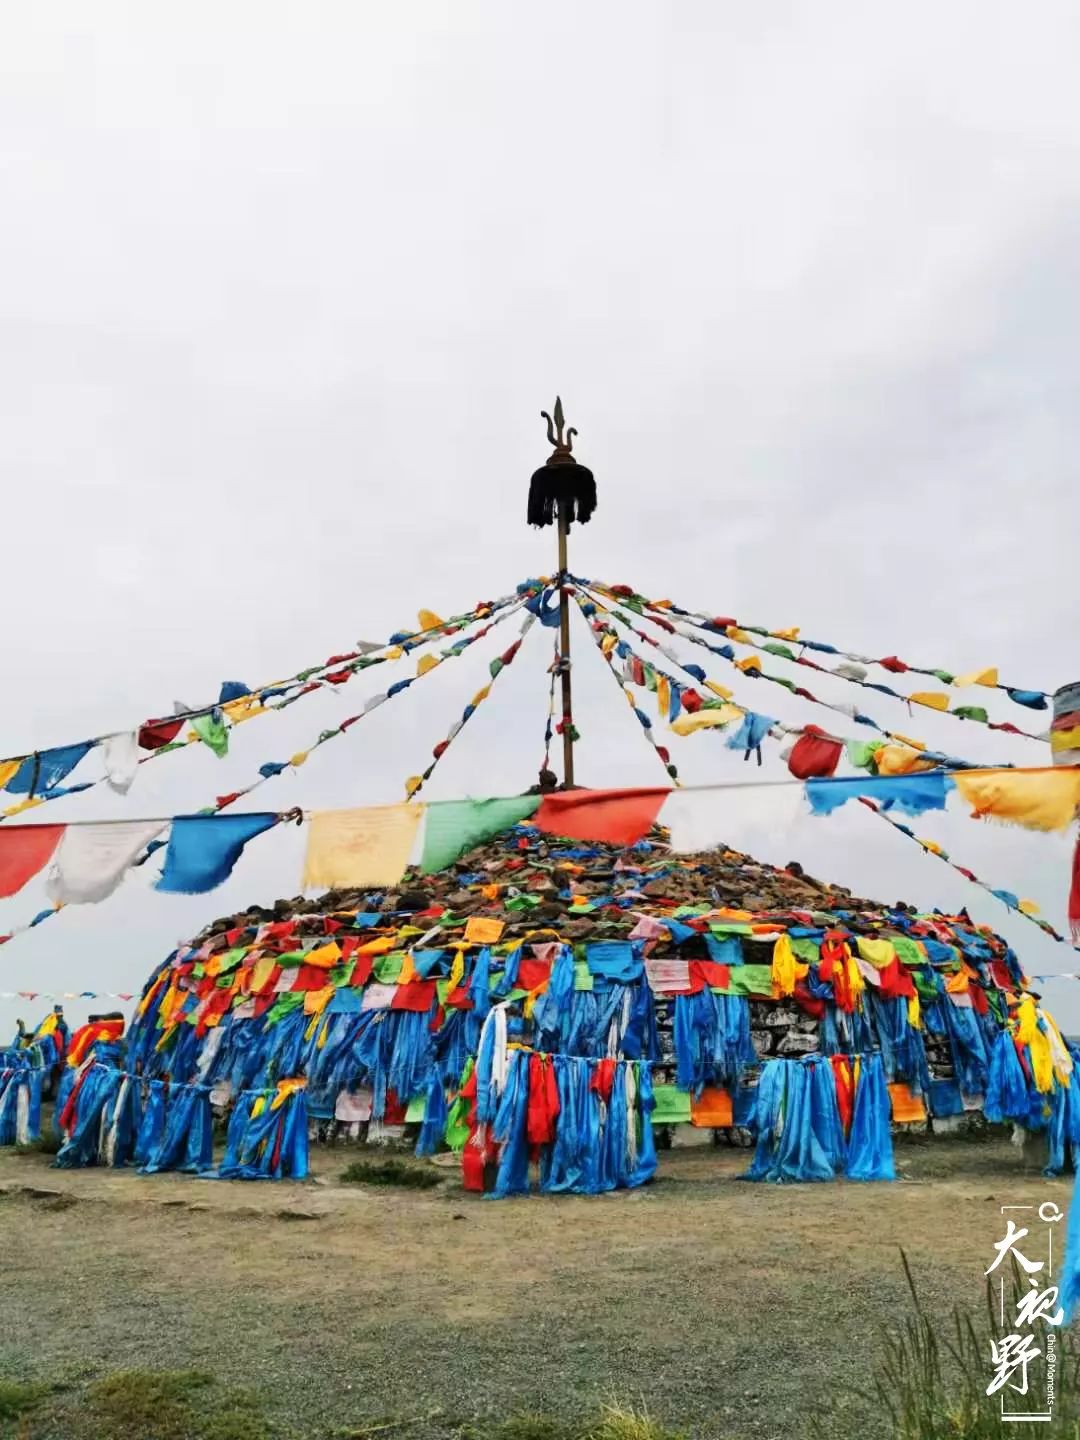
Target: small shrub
pixel 619 1423
pixel 17 1399
pixel 389 1172
pixel 137 1404
pixel 235 1423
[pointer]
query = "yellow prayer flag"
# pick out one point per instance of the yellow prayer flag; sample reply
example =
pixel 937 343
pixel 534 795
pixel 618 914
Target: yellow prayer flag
pixel 934 698
pixel 899 760
pixel 1044 799
pixel 978 677
pixel 367 848
pixel 315 1000
pixel 480 930
pixel 324 956
pixel 395 653
pixel 299 757
pixel 792 633
pixel 242 708
pixel 750 663
pixel 1064 740
pixel 739 636
pixel 721 691
pixel 428 620
pixel 412 784
pixel 480 696
pixel 879 953
pixel 426 663
pixel 906 1105
pixel 407 974
pixel 1028 907
pixel 907 740
pixel 663 695
pixel 686 724
pixel 25 805
pixel 261 971
pixel 7 769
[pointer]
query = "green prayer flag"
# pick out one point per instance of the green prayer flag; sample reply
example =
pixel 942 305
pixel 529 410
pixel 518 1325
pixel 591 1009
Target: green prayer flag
pixel 284 1005
pixel 908 950
pixel 750 980
pixel 453 827
pixel 774 648
pixel 213 733
pixel 583 979
pixel 672 1106
pixel 971 712
pixel 860 753
pixel 414 1115
pixel 809 951
pixel 523 902
pixel 387 968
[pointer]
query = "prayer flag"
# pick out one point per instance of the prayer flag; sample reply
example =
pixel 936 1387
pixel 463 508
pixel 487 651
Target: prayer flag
pixel 453 827
pixel 24 850
pixel 367 848
pixel 91 859
pixel 204 848
pixel 615 817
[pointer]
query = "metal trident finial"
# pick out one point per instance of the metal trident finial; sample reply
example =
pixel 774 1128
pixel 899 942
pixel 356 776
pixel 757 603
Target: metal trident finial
pixel 563 446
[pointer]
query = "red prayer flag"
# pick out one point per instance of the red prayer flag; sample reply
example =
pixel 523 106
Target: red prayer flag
pixel 709 972
pixel 24 850
pixel 814 754
pixel 156 733
pixel 417 995
pixel 616 817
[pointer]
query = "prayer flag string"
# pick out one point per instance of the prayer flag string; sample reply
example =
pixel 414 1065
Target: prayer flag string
pixel 38 775
pixel 744 635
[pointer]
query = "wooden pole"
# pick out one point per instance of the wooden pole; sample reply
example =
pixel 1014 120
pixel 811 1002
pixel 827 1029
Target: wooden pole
pixel 562 490
pixel 564 654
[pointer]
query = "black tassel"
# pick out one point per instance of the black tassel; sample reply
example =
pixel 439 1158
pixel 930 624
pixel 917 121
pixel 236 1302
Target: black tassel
pixel 570 485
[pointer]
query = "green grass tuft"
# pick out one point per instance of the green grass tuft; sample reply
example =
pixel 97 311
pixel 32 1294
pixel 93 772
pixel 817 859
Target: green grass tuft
pixel 48 1144
pixel 138 1404
pixel 614 1422
pixel 931 1380
pixel 389 1172
pixel 17 1399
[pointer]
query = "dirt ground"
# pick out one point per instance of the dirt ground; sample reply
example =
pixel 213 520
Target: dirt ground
pixel 734 1310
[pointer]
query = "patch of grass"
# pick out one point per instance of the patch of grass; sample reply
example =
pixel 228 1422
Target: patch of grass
pixel 389 1172
pixel 47 1144
pixel 933 1387
pixel 136 1404
pixel 17 1399
pixel 235 1423
pixel 614 1422
pixel 521 1427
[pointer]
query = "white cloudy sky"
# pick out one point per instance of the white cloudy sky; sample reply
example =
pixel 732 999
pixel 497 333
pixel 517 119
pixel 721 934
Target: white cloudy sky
pixel 286 286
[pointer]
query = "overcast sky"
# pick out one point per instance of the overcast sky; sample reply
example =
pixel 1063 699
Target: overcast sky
pixel 286 287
